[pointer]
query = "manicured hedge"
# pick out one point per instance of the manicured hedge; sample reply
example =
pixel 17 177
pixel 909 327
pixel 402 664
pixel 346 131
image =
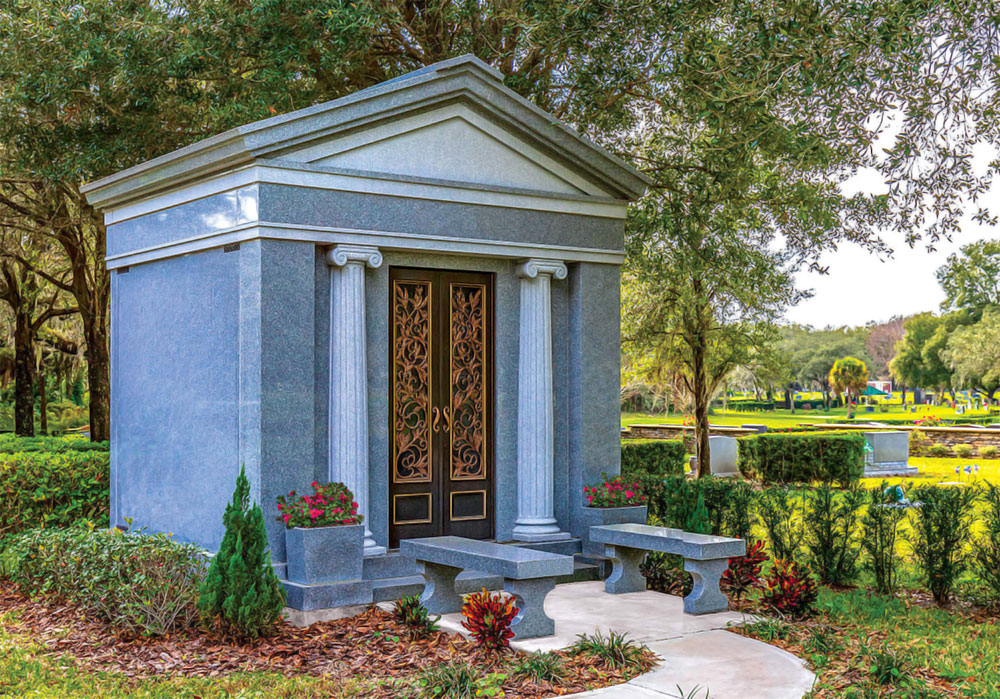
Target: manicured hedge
pixel 658 457
pixel 43 488
pixel 9 444
pixel 800 458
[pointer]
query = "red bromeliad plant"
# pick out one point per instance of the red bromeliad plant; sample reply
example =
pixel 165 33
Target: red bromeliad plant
pixel 614 493
pixel 488 618
pixel 743 573
pixel 332 504
pixel 790 591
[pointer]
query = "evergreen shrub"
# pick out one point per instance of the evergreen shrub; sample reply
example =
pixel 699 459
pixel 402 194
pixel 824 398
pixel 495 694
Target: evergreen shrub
pixel 832 520
pixel 987 546
pixel 939 451
pixel 940 534
pixel 780 513
pixel 11 444
pixel 241 595
pixel 801 458
pixel 143 584
pixel 53 489
pixel 661 457
pixel 879 533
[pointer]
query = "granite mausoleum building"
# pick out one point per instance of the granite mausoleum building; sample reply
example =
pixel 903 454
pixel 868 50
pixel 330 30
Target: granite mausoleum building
pixel 413 289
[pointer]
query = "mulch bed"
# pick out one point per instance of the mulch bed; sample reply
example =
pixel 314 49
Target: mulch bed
pixel 847 667
pixel 370 645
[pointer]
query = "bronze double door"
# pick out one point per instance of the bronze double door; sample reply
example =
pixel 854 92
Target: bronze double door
pixel 441 404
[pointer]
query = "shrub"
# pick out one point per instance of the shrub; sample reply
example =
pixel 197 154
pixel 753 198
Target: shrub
pixel 799 458
pixel 940 531
pixel 661 457
pixel 779 511
pixel 142 584
pixel 242 595
pixel 615 651
pixel 989 451
pixel 615 492
pixel 11 444
pixel 743 573
pixel 880 529
pixel 488 618
pixel 410 613
pixel 919 442
pixel 831 523
pixel 331 504
pixel 987 546
pixel 790 591
pixel 542 667
pixel 939 450
pixel 53 489
pixel 457 680
pixel 963 451
pixel 769 629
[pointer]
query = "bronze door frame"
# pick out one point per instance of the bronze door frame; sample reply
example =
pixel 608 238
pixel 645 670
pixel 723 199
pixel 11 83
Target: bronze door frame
pixel 435 434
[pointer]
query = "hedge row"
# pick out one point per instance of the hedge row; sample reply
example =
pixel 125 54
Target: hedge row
pixel 658 457
pixel 9 444
pixel 801 458
pixel 46 489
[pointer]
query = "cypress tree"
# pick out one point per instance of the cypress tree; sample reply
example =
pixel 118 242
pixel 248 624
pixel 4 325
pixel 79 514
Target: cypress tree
pixel 241 594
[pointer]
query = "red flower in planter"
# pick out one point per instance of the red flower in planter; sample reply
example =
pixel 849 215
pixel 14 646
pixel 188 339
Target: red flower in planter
pixel 314 511
pixel 614 493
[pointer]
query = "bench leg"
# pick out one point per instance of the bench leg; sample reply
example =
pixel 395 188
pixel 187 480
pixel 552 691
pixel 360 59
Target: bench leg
pixel 706 597
pixel 529 596
pixel 625 575
pixel 439 596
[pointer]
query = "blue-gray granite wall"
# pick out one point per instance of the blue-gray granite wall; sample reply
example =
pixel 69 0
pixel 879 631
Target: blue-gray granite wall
pixel 175 394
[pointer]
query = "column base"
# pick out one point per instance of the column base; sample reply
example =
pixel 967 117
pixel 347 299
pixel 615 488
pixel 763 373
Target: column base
pixel 374 550
pixel 532 537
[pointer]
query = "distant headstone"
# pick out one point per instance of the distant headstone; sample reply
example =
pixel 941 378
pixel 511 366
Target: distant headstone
pixel 888 454
pixel 724 451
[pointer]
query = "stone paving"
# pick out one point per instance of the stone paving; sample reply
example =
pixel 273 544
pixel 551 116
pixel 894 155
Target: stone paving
pixel 696 650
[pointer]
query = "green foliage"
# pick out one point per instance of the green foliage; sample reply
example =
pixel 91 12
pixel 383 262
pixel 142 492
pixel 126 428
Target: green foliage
pixel 615 650
pixel 940 532
pixel 769 629
pixel 241 594
pixel 780 512
pixel 53 489
pixel 697 522
pixel 989 451
pixel 410 613
pixel 973 352
pixel 885 665
pixel 660 457
pixel 542 667
pixel 850 375
pixel 11 444
pixel 969 277
pixel 799 458
pixel 458 680
pixel 880 531
pixel 831 522
pixel 963 451
pixel 987 545
pixel 939 450
pixel 141 584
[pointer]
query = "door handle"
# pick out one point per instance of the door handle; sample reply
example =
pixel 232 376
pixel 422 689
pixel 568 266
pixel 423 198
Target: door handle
pixel 447 419
pixel 435 419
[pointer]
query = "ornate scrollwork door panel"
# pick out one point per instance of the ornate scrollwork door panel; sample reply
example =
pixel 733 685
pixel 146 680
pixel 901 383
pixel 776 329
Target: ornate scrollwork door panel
pixel 441 396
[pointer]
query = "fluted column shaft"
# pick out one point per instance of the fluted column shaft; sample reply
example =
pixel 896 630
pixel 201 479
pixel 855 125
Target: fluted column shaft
pixel 348 420
pixel 535 440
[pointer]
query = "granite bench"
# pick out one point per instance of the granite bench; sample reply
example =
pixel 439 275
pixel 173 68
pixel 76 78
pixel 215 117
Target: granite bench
pixel 705 557
pixel 527 574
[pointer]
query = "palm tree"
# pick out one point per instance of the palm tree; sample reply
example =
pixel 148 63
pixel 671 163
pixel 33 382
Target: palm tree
pixel 849 375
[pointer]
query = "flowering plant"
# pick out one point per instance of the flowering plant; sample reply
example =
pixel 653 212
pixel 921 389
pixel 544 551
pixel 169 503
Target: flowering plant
pixel 332 504
pixel 614 493
pixel 929 421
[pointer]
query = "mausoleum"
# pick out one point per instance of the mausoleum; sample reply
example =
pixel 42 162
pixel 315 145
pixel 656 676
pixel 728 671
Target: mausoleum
pixel 413 289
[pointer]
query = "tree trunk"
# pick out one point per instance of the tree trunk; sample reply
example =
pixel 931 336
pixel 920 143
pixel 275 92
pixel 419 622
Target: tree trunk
pixel 700 381
pixel 98 375
pixel 24 399
pixel 43 403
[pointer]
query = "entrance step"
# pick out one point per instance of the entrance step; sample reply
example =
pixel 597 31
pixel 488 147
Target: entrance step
pixel 564 547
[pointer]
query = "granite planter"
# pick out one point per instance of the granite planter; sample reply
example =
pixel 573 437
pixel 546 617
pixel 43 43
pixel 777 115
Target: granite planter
pixel 599 516
pixel 325 554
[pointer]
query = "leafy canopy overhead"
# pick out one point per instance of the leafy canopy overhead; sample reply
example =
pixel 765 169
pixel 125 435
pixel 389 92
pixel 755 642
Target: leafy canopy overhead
pixel 971 278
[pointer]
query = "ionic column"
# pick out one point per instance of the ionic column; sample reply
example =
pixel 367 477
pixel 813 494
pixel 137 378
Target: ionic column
pixel 348 420
pixel 535 443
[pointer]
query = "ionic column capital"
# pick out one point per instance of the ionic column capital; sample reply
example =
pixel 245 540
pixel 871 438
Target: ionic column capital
pixel 341 255
pixel 531 268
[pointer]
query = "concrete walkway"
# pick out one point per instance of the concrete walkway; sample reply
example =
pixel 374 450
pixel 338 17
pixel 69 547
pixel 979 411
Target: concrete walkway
pixel 696 651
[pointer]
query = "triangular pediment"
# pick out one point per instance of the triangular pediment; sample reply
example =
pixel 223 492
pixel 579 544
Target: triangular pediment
pixel 452 121
pixel 454 143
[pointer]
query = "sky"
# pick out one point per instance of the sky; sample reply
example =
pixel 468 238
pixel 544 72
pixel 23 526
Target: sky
pixel 861 287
